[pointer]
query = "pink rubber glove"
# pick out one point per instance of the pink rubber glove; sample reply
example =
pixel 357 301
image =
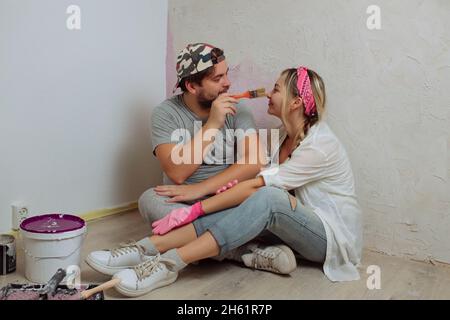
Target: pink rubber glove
pixel 177 218
pixel 229 185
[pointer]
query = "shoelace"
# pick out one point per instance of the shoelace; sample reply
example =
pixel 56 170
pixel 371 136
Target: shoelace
pixel 263 259
pixel 126 247
pixel 148 267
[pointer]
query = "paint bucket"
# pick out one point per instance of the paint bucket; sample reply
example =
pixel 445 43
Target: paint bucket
pixel 7 254
pixel 50 242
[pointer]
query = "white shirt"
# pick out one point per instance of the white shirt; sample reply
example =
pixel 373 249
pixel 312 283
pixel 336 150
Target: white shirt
pixel 319 171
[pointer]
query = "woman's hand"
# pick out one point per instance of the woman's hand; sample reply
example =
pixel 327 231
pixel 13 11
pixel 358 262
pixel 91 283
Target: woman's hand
pixel 181 193
pixel 229 185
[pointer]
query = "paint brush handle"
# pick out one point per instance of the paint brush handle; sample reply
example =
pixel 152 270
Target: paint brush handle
pixel 241 95
pixel 104 286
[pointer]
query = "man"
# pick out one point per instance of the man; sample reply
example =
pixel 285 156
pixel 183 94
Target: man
pixel 203 78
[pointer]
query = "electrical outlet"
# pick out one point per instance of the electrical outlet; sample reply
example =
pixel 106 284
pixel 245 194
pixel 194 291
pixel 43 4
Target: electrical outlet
pixel 19 213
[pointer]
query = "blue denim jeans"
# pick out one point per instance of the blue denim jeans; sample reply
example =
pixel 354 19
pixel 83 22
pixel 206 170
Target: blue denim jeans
pixel 269 209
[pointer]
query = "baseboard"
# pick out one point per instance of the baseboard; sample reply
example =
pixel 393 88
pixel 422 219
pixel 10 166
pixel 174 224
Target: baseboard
pixel 97 214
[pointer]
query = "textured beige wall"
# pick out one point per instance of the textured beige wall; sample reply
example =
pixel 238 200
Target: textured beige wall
pixel 388 93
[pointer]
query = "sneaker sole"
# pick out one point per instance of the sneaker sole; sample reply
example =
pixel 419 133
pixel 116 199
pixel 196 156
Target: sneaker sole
pixel 291 258
pixel 136 293
pixel 110 271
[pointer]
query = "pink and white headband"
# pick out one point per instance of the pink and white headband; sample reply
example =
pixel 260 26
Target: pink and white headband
pixel 305 91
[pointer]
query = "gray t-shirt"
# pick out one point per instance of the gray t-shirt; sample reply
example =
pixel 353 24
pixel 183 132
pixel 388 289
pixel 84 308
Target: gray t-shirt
pixel 173 114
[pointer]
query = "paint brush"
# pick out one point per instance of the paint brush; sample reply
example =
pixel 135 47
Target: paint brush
pixel 83 295
pixel 251 94
pixel 52 284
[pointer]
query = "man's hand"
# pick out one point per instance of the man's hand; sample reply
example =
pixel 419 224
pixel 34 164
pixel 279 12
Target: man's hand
pixel 177 218
pixel 181 193
pixel 223 105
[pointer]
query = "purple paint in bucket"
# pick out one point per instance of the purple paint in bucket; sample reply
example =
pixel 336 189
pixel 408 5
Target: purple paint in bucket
pixel 52 223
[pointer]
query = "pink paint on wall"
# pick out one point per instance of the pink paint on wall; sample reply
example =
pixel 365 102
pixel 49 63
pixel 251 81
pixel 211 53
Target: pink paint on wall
pixel 246 76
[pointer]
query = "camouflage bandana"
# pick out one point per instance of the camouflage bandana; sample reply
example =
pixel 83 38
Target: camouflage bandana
pixel 196 58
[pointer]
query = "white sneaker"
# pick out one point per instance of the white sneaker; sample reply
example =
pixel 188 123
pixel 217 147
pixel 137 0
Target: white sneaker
pixel 147 276
pixel 276 258
pixel 109 262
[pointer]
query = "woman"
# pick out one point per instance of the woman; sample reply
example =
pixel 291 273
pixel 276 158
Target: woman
pixel 322 223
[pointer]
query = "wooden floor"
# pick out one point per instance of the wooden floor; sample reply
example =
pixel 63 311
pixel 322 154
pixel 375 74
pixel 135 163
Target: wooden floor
pixel 400 279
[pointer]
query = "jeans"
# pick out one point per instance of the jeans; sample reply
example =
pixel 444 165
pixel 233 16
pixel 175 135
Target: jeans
pixel 268 209
pixel 153 207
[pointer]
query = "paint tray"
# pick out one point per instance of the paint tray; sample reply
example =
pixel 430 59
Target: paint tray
pixel 31 292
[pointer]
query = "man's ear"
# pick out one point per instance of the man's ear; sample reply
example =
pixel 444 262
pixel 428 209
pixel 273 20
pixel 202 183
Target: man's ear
pixel 191 87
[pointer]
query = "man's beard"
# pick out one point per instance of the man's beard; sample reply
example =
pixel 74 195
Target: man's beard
pixel 204 102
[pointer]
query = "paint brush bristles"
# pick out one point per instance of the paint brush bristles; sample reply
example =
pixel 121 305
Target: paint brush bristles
pixel 261 92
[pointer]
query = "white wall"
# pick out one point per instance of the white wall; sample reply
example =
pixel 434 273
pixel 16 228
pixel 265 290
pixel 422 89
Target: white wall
pixel 74 105
pixel 388 96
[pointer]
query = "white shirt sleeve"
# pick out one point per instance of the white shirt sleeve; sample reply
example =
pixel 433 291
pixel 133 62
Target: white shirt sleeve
pixel 306 165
